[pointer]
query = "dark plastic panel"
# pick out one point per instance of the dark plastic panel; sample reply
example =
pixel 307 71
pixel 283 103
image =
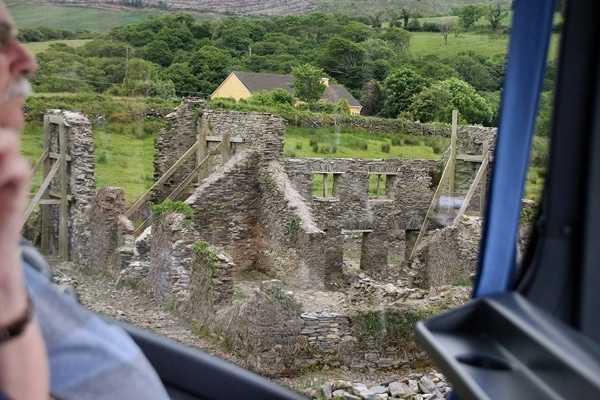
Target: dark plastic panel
pixel 504 347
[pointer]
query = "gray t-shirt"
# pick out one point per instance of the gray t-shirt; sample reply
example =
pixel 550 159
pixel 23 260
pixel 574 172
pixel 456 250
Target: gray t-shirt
pixel 89 358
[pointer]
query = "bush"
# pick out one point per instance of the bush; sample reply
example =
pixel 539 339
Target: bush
pixel 281 96
pixel 430 27
pixel 412 141
pixel 396 141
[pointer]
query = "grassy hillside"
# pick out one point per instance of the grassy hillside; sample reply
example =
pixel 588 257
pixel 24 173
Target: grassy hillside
pixel 425 7
pixel 278 7
pixel 34 13
pixel 72 18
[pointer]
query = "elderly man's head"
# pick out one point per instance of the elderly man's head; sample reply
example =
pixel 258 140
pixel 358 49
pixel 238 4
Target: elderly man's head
pixel 15 66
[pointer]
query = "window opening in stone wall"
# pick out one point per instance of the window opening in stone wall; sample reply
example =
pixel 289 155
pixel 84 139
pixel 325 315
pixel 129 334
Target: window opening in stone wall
pixel 376 185
pixel 380 184
pixel 324 184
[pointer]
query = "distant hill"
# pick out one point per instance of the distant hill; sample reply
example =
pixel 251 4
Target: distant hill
pixel 273 7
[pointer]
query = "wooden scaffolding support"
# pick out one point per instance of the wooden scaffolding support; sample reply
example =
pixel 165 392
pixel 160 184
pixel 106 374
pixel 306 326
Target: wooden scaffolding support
pixel 198 173
pixel 448 175
pixel 54 170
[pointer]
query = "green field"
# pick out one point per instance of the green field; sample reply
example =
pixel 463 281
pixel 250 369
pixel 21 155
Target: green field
pixel 430 43
pixel 123 156
pixel 37 47
pixel 423 44
pixel 72 18
pixel 353 143
pixel 79 18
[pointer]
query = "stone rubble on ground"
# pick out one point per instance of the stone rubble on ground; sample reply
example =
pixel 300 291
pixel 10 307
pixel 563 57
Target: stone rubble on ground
pixel 430 386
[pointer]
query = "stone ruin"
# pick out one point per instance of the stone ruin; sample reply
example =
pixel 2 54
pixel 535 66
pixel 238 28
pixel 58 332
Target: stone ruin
pixel 256 213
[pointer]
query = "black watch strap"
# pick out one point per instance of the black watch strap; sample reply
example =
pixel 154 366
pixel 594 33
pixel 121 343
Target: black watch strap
pixel 17 327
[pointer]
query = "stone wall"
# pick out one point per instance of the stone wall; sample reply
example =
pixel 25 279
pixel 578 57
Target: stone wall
pixel 293 247
pixel 170 255
pixel 249 207
pixel 266 329
pixel 211 285
pixel 105 216
pixel 260 207
pixel 254 209
pixel 192 121
pixel 448 256
pixel 375 125
pixel 226 207
pixel 408 192
pixel 81 184
pixel 271 329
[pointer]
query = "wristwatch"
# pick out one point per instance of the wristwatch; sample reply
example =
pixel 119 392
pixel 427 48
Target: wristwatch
pixel 17 327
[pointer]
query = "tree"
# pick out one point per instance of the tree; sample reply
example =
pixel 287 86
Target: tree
pixel 378 49
pixel 375 19
pixel 399 87
pixel 274 63
pixel 434 69
pixel 474 72
pixel 445 28
pixel 103 48
pixel 186 83
pixel 344 106
pixel 356 31
pixel 308 82
pixel 397 39
pixel 496 67
pixel 372 98
pixel 211 65
pixel 435 103
pixel 495 16
pixel 159 52
pixel 468 15
pixel 405 15
pixel 282 96
pixel 345 61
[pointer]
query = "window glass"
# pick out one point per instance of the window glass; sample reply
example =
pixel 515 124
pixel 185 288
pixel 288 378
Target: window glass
pixel 288 187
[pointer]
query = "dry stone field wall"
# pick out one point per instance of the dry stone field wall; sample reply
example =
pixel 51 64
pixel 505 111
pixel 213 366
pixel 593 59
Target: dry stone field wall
pixel 255 211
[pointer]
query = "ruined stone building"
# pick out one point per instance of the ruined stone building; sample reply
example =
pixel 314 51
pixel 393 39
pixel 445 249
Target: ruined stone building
pixel 256 210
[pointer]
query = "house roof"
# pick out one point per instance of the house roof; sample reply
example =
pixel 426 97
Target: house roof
pixel 255 82
pixel 333 93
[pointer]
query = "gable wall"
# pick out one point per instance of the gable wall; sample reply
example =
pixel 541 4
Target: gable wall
pixel 232 87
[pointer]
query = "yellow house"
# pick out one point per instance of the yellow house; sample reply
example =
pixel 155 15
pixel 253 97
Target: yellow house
pixel 241 85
